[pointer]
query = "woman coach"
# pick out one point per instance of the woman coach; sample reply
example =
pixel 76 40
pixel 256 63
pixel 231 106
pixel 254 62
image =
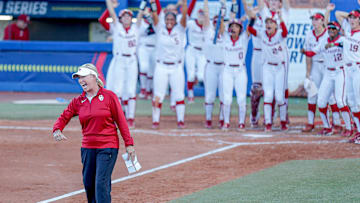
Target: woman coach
pixel 100 115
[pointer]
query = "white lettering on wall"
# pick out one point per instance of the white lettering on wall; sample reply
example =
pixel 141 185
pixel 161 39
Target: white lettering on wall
pixel 25 7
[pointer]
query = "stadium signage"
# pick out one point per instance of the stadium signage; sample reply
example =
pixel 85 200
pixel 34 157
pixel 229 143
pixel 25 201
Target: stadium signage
pixel 24 7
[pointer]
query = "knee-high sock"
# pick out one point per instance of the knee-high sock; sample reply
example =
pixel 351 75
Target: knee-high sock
pixel 324 117
pixel 335 114
pixel 208 111
pixel 287 104
pixel 242 114
pixel 221 111
pixel 268 112
pixel 131 107
pixel 227 112
pixel 190 89
pixel 357 120
pixel 149 85
pixel 283 112
pixel 156 109
pixel 180 110
pixel 345 114
pixel 311 113
pixel 143 80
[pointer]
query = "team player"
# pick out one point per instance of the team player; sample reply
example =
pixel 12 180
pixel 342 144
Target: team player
pixel 334 80
pixel 194 56
pixel 315 69
pixel 214 66
pixel 122 75
pixel 351 44
pixel 170 38
pixel 274 73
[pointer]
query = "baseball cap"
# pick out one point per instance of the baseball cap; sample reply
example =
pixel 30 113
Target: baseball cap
pixel 334 25
pixel 271 19
pixel 88 69
pixel 122 12
pixel 354 13
pixel 318 16
pixel 24 18
pixel 236 21
pixel 201 11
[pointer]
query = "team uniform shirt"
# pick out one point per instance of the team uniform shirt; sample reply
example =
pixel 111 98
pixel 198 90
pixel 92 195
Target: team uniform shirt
pixel 235 50
pixel 169 43
pixel 311 41
pixel 213 52
pixel 257 26
pixel 273 47
pixel 351 44
pixel 266 13
pixel 334 55
pixel 13 32
pixel 147 34
pixel 195 34
pixel 124 40
pixel 99 120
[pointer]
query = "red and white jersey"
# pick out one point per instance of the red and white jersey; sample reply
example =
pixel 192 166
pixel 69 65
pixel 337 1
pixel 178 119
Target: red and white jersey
pixel 124 40
pixel 195 34
pixel 312 40
pixel 213 52
pixel 346 26
pixel 266 13
pixel 334 56
pixel 170 43
pixel 258 26
pixel 235 50
pixel 351 44
pixel 147 34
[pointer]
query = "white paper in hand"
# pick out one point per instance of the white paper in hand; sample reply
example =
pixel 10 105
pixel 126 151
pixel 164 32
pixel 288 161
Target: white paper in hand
pixel 132 166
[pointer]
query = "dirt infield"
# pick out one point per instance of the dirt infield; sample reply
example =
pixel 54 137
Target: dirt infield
pixel 35 167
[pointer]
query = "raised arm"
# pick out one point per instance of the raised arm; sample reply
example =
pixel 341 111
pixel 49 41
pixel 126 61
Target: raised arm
pixel 252 16
pixel 158 6
pixel 184 13
pixel 102 19
pixel 261 4
pixel 110 7
pixel 140 13
pixel 154 11
pixel 286 5
pixel 341 16
pixel 284 32
pixel 234 9
pixel 246 8
pixel 330 7
pixel 191 7
pixel 206 23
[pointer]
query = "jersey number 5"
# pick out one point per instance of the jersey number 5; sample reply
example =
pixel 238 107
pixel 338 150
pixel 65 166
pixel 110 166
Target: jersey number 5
pixel 132 43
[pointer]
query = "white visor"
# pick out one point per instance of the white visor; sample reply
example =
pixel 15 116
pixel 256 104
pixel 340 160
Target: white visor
pixel 84 72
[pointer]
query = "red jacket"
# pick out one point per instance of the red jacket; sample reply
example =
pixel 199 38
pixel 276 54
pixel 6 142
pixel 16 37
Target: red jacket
pixel 13 32
pixel 99 120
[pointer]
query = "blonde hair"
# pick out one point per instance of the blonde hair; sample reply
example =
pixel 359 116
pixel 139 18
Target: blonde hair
pixel 93 68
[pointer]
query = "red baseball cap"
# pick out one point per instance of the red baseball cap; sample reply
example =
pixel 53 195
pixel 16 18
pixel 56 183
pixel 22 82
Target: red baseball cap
pixel 334 25
pixel 354 13
pixel 271 19
pixel 24 18
pixel 318 16
pixel 122 12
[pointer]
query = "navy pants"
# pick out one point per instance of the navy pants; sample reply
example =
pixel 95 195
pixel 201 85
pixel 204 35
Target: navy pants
pixel 98 165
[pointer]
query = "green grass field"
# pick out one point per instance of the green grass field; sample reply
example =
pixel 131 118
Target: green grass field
pixel 293 181
pixel 10 111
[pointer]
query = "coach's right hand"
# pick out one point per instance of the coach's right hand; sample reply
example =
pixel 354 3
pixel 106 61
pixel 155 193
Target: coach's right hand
pixel 58 136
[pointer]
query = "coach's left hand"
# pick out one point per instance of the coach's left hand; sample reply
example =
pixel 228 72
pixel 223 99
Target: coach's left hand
pixel 131 152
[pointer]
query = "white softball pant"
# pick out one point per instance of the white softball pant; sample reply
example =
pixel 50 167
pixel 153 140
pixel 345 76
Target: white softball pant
pixel 195 62
pixel 146 54
pixel 353 86
pixel 256 66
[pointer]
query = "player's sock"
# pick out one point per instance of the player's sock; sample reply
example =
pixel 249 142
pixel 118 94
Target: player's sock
pixel 227 112
pixel 180 110
pixel 221 112
pixel 125 107
pixel 335 114
pixel 143 80
pixel 345 114
pixel 149 85
pixel 356 118
pixel 156 109
pixel 190 86
pixel 287 105
pixel 283 112
pixel 273 111
pixel 324 117
pixel 268 112
pixel 311 113
pixel 208 111
pixel 242 114
pixel 132 107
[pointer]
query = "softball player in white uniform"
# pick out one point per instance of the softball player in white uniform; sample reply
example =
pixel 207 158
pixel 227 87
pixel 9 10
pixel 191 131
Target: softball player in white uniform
pixel 169 51
pixel 334 78
pixel 274 73
pixel 315 72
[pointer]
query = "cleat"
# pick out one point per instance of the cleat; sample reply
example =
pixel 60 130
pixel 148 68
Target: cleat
pixel 337 129
pixel 284 126
pixel 355 139
pixel 347 133
pixel 254 124
pixel 191 100
pixel 155 125
pixel 173 108
pixel 241 127
pixel 131 123
pixel 208 124
pixel 326 132
pixel 268 127
pixel 308 128
pixel 181 125
pixel 221 123
pixel 142 94
pixel 226 127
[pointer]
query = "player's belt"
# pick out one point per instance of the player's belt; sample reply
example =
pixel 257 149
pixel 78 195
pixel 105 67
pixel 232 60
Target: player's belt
pixel 198 48
pixel 149 45
pixel 168 63
pixel 126 55
pixel 257 49
pixel 319 61
pixel 273 64
pixel 216 63
pixel 234 65
pixel 350 64
pixel 334 69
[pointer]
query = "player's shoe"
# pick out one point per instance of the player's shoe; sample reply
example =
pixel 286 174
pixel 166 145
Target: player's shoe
pixel 142 94
pixel 191 100
pixel 221 123
pixel 337 129
pixel 173 108
pixel 284 126
pixel 131 123
pixel 208 124
pixel 326 132
pixel 241 127
pixel 226 127
pixel 355 138
pixel 308 128
pixel 149 95
pixel 181 125
pixel 155 125
pixel 347 133
pixel 268 127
